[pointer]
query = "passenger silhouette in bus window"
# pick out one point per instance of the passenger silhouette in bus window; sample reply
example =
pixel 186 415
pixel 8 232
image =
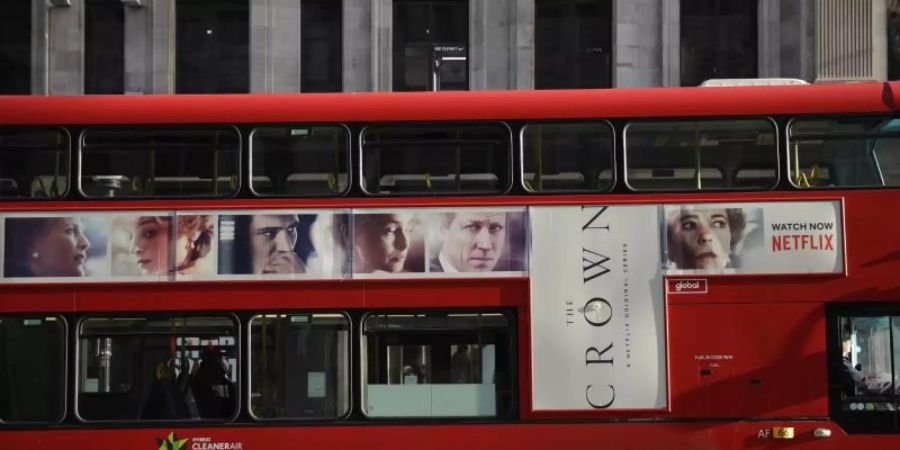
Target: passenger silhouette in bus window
pixel 213 391
pixel 46 247
pixel 704 239
pixel 387 243
pixel 852 376
pixel 195 246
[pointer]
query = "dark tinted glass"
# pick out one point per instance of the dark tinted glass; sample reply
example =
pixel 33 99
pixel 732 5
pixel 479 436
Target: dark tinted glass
pixel 160 161
pixel 441 158
pixel 32 369
pixel 571 156
pixel 300 366
pixel 572 44
pixel 431 45
pixel 212 46
pixel 158 368
pixel 701 154
pixel 34 163
pixel 300 160
pixel 15 47
pixel 718 40
pixel 845 152
pixel 321 44
pixel 104 47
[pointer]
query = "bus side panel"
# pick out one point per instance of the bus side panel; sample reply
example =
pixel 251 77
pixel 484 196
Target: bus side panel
pixel 748 360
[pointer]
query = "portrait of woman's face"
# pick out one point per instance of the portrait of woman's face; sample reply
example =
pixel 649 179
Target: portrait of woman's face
pixel 700 239
pixel 383 242
pixel 150 244
pixel 59 249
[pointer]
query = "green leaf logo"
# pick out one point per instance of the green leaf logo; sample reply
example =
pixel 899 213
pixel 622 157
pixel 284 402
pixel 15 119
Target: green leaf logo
pixel 171 442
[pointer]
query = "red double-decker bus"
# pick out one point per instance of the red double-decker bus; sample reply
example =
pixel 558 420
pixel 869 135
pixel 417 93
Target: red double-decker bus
pixel 693 267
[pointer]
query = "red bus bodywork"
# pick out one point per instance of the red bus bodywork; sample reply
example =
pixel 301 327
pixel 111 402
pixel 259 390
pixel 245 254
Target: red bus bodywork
pixel 772 329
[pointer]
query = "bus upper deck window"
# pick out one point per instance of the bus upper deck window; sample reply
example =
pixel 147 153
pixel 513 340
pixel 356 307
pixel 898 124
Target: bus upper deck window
pixel 34 162
pixel 160 161
pixel 299 160
pixel 436 158
pixel 567 156
pixel 708 154
pixel 838 152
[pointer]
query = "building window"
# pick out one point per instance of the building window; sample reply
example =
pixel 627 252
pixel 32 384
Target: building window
pixel 15 51
pixel 104 47
pixel 212 46
pixel 718 40
pixel 572 44
pixel 431 45
pixel 893 40
pixel 320 46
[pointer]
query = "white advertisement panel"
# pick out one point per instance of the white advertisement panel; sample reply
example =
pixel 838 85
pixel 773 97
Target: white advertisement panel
pixel 753 238
pixel 597 309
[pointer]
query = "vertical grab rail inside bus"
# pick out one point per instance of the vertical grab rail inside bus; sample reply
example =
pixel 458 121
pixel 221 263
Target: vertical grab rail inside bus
pixel 215 174
pixel 458 154
pixel 336 151
pixel 697 164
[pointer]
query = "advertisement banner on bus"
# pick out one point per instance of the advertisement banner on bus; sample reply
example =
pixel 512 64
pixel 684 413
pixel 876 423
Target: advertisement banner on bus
pixel 597 310
pixel 283 244
pixel 264 244
pixel 434 242
pixel 753 238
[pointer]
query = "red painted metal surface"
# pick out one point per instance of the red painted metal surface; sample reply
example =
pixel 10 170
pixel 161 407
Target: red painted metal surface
pixel 423 106
pixel 744 357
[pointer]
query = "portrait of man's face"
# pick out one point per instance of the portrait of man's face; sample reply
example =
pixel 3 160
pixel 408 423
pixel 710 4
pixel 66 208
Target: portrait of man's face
pixel 273 238
pixel 700 238
pixel 382 242
pixel 474 241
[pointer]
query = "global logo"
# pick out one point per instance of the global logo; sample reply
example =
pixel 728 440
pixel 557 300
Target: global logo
pixel 695 286
pixel 171 442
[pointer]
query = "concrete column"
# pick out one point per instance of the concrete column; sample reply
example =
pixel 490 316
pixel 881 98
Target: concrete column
pixel 39 47
pixel 637 43
pixel 65 36
pixel 382 45
pixel 521 64
pixel 357 46
pixel 670 16
pixel 138 49
pixel 491 44
pixel 769 38
pixel 275 45
pixel 798 39
pixel 162 54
